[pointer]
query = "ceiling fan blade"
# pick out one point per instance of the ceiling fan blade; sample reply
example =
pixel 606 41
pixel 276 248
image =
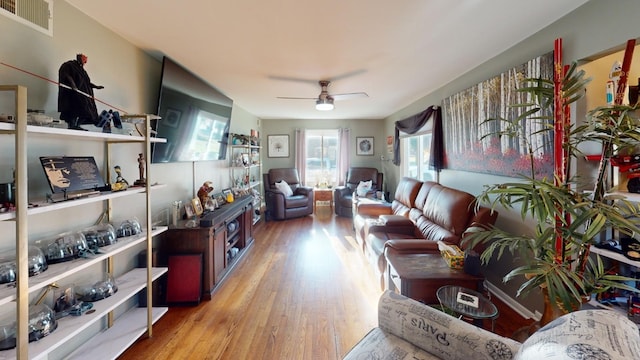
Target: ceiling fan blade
pixel 347 96
pixel 296 98
pixel 294 79
pixel 347 74
pixel 315 81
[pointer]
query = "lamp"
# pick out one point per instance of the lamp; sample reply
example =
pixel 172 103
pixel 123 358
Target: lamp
pixel 324 104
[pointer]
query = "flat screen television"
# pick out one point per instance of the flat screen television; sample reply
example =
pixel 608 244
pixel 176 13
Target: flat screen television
pixel 195 118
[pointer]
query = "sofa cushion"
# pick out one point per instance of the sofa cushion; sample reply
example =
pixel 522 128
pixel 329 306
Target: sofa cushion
pixel 380 342
pixel 449 208
pixel 584 334
pixel 423 193
pixel 284 188
pixel 295 201
pixel 364 187
pixel 443 336
pixel 405 194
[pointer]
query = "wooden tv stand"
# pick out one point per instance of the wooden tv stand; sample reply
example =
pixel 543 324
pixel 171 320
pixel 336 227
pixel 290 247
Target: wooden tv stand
pixel 216 243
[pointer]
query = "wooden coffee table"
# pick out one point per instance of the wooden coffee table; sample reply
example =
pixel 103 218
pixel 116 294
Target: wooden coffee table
pixel 322 195
pixel 419 276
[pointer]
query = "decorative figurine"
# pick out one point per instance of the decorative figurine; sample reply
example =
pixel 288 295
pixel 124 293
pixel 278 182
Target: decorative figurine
pixel 121 183
pixel 77 105
pixel 141 163
pixel 203 192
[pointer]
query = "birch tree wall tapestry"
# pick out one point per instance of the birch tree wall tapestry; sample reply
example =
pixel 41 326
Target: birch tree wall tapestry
pixel 474 145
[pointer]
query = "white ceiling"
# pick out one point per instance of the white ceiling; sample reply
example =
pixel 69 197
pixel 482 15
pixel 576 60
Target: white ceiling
pixel 396 51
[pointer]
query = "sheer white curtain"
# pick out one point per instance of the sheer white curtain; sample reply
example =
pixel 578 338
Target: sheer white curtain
pixel 344 154
pixel 301 154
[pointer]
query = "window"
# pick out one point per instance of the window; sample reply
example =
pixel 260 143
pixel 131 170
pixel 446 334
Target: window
pixel 321 159
pixel 416 152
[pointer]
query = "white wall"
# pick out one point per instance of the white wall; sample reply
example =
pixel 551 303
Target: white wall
pixel 131 79
pixel 359 128
pixel 596 29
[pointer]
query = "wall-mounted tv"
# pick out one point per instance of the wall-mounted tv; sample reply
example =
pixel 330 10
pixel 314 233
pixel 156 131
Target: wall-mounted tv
pixel 195 118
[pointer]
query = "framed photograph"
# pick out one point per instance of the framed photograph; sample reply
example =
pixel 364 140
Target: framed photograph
pixel 197 206
pixel 220 199
pixel 364 146
pixel 211 204
pixel 226 192
pixel 278 146
pixel 172 118
pixel 189 210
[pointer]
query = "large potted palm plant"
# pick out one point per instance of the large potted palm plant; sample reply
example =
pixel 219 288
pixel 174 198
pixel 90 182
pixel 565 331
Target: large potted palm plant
pixel 555 255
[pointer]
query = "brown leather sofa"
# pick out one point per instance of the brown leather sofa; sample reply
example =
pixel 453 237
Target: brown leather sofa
pixel 342 196
pixel 421 214
pixel 280 206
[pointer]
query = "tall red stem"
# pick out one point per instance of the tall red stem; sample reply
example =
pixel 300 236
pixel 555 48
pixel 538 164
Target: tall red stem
pixel 559 139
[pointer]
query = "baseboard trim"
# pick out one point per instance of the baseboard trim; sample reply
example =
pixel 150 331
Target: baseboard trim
pixel 511 302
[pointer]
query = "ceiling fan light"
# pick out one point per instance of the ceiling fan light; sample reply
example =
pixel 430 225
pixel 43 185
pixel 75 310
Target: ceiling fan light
pixel 324 104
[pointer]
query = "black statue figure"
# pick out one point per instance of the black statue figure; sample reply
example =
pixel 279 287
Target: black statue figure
pixel 76 108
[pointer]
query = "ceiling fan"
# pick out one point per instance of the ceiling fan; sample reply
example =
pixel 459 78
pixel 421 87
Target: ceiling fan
pixel 324 101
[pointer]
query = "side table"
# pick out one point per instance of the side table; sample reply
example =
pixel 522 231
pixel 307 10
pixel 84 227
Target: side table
pixel 469 303
pixel 419 276
pixel 322 195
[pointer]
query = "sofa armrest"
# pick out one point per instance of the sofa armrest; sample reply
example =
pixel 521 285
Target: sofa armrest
pixel 303 190
pixel 413 246
pixel 395 220
pixel 274 193
pixel 373 209
pixel 342 190
pixel 438 333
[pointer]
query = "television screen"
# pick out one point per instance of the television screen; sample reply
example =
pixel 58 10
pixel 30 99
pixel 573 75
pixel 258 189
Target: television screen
pixel 195 118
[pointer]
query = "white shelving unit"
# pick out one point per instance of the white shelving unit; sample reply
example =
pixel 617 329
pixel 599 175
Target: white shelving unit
pixel 633 197
pixel 245 166
pixel 119 333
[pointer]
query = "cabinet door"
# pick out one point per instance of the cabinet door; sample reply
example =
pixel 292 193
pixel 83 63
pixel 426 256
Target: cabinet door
pixel 219 253
pixel 247 226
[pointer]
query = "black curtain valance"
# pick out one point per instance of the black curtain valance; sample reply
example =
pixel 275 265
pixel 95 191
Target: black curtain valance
pixel 414 123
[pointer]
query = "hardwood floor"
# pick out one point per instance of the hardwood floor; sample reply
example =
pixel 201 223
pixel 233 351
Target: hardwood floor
pixel 303 291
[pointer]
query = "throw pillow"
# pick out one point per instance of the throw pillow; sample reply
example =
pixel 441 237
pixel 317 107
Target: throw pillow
pixel 364 187
pixel 284 188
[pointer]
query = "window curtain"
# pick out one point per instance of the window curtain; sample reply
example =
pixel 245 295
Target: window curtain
pixel 412 124
pixel 344 155
pixel 300 154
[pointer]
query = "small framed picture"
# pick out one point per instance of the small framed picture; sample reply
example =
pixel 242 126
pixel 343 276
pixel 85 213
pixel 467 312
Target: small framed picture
pixel 220 199
pixel 226 192
pixel 197 206
pixel 189 210
pixel 211 204
pixel 364 146
pixel 278 146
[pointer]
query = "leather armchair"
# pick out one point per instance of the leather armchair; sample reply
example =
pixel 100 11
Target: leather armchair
pixel 280 206
pixel 343 194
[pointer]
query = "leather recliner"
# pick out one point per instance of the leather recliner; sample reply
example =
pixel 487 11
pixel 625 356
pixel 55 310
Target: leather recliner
pixel 343 195
pixel 280 206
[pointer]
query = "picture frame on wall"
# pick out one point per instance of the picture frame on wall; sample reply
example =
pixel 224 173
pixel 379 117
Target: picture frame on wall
pixel 172 118
pixel 278 146
pixel 364 146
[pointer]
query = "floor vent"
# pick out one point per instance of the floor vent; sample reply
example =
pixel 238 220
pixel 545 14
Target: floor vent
pixel 37 14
